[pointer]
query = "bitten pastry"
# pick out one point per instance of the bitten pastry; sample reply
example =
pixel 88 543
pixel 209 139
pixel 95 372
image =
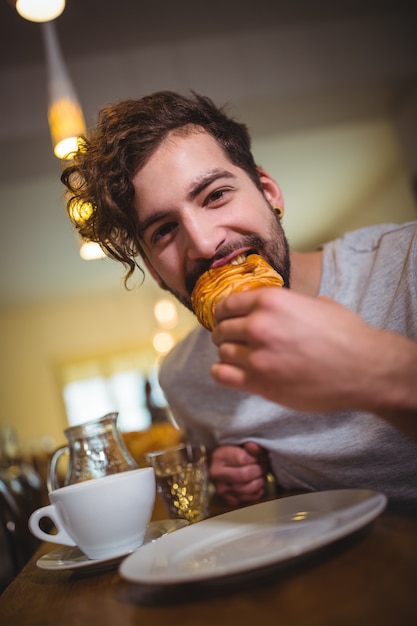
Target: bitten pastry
pixel 242 274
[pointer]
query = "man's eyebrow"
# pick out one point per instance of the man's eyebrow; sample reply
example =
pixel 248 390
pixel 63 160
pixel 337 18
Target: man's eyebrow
pixel 205 180
pixel 149 221
pixel 197 187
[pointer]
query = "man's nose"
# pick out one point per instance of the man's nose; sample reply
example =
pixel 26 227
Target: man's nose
pixel 202 238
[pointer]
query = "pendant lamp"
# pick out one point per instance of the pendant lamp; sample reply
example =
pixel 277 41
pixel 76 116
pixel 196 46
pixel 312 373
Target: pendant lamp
pixel 65 116
pixel 40 10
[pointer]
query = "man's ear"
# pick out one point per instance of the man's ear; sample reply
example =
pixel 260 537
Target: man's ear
pixel 271 189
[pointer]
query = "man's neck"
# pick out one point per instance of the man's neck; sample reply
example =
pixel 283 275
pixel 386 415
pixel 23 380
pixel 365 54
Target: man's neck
pixel 306 272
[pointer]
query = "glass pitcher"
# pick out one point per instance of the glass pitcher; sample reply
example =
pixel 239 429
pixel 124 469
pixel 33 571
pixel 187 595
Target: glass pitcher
pixel 95 449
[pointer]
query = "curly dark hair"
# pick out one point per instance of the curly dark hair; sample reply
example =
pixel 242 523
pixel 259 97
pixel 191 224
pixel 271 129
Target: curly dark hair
pixel 99 177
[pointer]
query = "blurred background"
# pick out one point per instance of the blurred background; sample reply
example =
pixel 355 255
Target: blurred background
pixel 329 92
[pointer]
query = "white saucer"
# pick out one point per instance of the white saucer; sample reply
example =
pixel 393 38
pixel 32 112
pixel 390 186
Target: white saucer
pixel 67 557
pixel 253 537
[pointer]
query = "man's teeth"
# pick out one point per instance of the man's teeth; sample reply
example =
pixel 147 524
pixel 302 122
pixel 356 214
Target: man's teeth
pixel 237 260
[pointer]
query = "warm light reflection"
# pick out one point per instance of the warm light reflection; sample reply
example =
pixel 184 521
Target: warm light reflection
pixel 40 10
pixel 163 342
pixel 165 313
pixel 80 211
pixel 300 516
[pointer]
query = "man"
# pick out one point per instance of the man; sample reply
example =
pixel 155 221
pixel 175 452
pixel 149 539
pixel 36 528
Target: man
pixel 317 380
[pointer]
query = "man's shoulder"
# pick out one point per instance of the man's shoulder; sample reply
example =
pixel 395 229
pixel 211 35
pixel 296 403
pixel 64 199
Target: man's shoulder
pixel 372 256
pixel 371 237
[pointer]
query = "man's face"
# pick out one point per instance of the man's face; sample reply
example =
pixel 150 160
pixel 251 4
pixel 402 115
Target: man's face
pixel 197 210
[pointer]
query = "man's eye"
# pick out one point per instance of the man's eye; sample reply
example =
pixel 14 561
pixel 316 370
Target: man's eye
pixel 217 196
pixel 163 231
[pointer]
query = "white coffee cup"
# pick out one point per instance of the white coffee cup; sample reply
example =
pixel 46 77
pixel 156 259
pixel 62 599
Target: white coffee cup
pixel 105 517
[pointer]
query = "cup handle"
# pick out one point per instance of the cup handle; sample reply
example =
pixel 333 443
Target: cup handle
pixel 50 512
pixel 51 480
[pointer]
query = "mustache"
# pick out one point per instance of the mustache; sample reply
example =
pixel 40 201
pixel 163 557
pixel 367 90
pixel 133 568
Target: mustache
pixel 249 241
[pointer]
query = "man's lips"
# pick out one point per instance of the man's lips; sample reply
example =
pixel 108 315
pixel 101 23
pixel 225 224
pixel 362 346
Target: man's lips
pixel 235 258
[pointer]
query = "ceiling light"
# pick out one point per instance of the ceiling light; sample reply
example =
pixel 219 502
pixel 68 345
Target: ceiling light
pixel 40 10
pixel 65 116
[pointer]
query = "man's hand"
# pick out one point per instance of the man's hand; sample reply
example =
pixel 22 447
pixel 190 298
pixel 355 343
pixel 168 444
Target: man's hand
pixel 239 473
pixel 312 354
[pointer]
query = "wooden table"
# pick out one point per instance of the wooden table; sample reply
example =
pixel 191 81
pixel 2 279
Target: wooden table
pixel 366 579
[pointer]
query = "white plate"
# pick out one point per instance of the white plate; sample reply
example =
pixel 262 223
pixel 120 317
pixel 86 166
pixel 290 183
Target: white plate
pixel 66 557
pixel 253 537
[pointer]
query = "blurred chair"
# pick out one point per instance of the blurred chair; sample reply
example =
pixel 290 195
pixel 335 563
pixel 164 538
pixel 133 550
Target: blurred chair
pixel 15 549
pixel 21 492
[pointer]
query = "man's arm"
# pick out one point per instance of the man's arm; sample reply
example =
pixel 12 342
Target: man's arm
pixel 313 354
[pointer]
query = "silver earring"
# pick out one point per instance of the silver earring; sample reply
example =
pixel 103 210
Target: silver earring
pixel 279 211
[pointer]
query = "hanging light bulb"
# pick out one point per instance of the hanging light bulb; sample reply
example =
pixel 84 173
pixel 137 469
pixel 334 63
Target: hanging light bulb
pixel 65 116
pixel 91 251
pixel 40 10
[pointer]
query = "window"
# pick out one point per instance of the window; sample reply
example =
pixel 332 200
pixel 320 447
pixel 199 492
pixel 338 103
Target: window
pixel 93 387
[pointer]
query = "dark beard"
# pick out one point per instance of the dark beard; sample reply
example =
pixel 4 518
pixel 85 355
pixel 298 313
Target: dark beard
pixel 275 251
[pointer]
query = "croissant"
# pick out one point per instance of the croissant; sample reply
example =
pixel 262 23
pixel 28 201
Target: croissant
pixel 217 283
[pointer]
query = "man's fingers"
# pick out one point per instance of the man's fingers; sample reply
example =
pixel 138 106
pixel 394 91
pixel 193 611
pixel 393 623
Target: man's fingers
pixel 236 475
pixel 237 493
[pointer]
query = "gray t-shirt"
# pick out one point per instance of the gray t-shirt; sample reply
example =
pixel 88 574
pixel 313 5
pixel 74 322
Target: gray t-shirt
pixel 372 271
